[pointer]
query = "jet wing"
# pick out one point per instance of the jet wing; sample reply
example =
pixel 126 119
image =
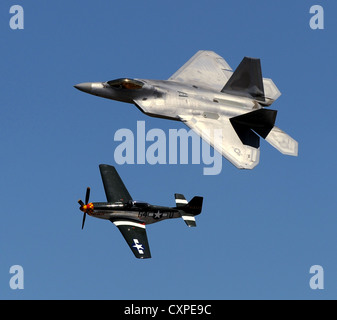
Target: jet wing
pixel 114 187
pixel 135 235
pixel 206 69
pixel 221 135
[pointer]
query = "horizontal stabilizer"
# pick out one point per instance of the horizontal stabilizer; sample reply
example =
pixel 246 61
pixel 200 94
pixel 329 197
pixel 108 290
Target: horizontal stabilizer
pixel 189 220
pixel 271 92
pixel 282 142
pixel 246 80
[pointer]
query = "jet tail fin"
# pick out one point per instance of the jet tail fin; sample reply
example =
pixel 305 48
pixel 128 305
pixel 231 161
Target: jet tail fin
pixel 262 122
pixel 189 209
pixel 246 80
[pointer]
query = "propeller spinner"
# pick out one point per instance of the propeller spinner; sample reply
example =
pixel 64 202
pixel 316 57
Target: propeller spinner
pixel 87 207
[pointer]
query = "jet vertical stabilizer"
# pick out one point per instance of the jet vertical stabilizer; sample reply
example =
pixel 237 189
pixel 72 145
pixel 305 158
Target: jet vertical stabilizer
pixel 262 122
pixel 246 80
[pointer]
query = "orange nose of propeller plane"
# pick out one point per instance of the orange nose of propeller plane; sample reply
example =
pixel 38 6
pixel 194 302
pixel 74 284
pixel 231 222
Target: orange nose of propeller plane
pixel 87 207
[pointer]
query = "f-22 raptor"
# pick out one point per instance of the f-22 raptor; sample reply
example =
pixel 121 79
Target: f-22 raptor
pixel 227 109
pixel 131 216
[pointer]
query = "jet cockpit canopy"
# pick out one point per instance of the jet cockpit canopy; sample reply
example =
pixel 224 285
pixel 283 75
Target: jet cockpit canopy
pixel 125 83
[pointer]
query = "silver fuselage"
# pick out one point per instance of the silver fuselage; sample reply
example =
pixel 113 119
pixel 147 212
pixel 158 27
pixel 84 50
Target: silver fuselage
pixel 168 99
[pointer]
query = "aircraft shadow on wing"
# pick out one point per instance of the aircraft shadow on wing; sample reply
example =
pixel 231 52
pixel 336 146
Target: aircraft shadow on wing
pixel 226 109
pixel 130 216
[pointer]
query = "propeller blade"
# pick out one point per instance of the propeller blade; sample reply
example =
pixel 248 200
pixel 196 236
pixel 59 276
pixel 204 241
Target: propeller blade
pixel 80 202
pixel 84 215
pixel 87 195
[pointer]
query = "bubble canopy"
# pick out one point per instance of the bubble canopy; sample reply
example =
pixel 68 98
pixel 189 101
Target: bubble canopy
pixel 125 83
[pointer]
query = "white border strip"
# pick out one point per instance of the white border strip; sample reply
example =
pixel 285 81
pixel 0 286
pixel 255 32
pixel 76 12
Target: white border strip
pixel 128 223
pixel 188 218
pixel 184 201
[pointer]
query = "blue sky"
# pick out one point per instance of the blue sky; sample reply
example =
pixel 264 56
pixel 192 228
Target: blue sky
pixel 260 231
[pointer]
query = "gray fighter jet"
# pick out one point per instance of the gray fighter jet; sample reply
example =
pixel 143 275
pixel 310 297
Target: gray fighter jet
pixel 227 109
pixel 131 216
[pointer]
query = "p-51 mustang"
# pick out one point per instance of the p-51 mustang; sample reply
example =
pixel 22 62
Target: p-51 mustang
pixel 131 216
pixel 225 107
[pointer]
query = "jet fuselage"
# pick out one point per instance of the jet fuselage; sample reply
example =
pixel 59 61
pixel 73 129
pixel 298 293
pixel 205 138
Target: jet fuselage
pixel 168 99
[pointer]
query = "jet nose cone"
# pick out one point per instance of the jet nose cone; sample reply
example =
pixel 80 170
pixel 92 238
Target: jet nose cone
pixel 85 87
